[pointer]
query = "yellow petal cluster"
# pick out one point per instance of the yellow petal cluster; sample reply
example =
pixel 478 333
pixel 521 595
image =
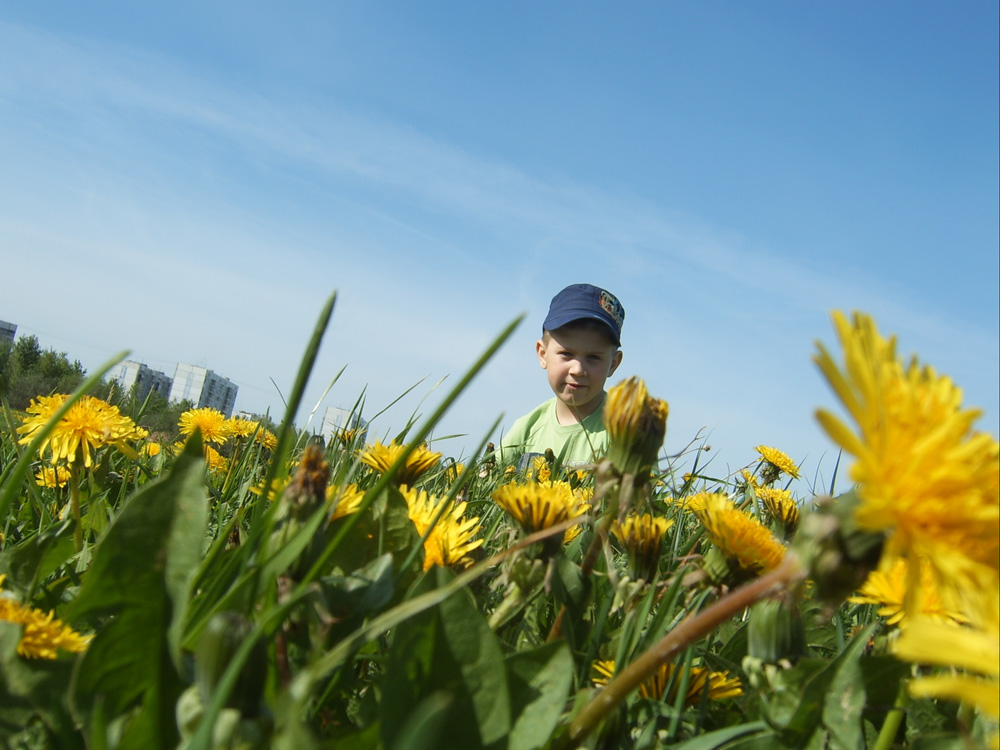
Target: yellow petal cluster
pixel 741 538
pixel 212 424
pixel 539 505
pixel 89 424
pixel 452 539
pixel 775 460
pixel 642 537
pixel 42 636
pixel 344 500
pixel 780 504
pixel 380 457
pixel 719 685
pixel 925 477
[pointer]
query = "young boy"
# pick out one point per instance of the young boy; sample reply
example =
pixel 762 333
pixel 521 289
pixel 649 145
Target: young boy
pixel 579 350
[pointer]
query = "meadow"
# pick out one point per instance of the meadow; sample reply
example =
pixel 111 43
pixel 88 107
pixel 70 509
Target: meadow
pixel 243 588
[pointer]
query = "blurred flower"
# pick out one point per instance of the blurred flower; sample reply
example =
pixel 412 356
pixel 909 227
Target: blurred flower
pixel 268 439
pixel 452 538
pixel 642 538
pixel 216 461
pixel 88 425
pixel 888 589
pixel 52 476
pixel 636 425
pixel 345 500
pixel 539 470
pixel 42 636
pixel 212 424
pixel 151 449
pixel 539 505
pixel 702 501
pixel 719 685
pixel 775 462
pixel 781 505
pixel 926 480
pixel 741 539
pixel 242 428
pixel 381 457
pixel 970 652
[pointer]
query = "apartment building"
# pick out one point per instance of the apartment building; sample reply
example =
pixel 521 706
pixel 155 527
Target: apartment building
pixel 203 388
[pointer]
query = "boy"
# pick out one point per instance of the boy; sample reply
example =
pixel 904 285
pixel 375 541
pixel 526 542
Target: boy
pixel 579 350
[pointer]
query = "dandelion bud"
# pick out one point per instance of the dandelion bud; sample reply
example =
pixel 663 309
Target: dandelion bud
pixel 642 538
pixel 636 425
pixel 837 553
pixel 775 631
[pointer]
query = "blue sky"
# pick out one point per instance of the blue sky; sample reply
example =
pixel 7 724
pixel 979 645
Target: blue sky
pixel 191 181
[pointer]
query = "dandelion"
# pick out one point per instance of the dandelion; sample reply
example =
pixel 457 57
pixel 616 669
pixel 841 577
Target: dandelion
pixel 42 636
pixel 970 653
pixel 267 439
pixel 344 500
pixel 536 506
pixel 890 588
pixel 719 685
pixel 242 428
pixel 781 505
pixel 380 457
pixel 926 479
pixel 88 425
pixel 217 463
pixel 636 425
pixel 741 539
pixel 702 501
pixel 642 537
pixel 774 463
pixel 452 539
pixel 212 424
pixel 149 450
pixel 52 476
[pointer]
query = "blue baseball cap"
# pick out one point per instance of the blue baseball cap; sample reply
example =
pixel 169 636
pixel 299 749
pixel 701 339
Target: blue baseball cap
pixel 579 301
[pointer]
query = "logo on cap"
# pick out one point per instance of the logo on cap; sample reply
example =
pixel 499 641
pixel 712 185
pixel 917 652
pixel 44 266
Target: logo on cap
pixel 610 304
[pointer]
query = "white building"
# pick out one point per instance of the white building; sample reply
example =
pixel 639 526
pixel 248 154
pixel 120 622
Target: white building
pixel 145 379
pixel 336 419
pixel 203 388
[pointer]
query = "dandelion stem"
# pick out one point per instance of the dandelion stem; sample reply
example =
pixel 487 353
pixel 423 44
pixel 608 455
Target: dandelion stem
pixel 893 719
pixel 690 629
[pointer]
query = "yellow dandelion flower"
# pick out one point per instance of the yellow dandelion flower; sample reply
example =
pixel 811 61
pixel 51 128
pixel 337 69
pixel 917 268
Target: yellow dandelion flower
pixel 924 477
pixel 749 478
pixel 453 471
pixel 380 457
pixel 242 428
pixel 88 425
pixel 970 653
pixel 52 476
pixel 777 462
pixel 540 471
pixel 720 685
pixel 642 537
pixel 267 439
pixel 891 588
pixel 344 500
pixel 217 463
pixel 636 424
pixel 151 449
pixel 42 636
pixel 539 505
pixel 452 538
pixel 781 505
pixel 703 501
pixel 212 423
pixel 741 538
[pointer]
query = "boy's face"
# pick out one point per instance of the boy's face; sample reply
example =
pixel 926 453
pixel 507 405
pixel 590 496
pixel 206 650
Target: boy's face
pixel 577 361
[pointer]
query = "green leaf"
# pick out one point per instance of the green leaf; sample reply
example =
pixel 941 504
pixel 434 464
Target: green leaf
pixel 34 689
pixel 425 724
pixel 37 558
pixel 448 648
pixel 540 681
pixel 720 737
pixel 140 577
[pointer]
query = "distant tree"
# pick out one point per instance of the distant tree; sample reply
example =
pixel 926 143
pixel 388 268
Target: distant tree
pixel 30 372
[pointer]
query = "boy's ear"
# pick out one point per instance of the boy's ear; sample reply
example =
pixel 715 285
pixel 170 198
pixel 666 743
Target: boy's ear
pixel 615 361
pixel 540 351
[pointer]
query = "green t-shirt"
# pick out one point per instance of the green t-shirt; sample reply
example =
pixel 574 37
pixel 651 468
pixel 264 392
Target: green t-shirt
pixel 540 429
